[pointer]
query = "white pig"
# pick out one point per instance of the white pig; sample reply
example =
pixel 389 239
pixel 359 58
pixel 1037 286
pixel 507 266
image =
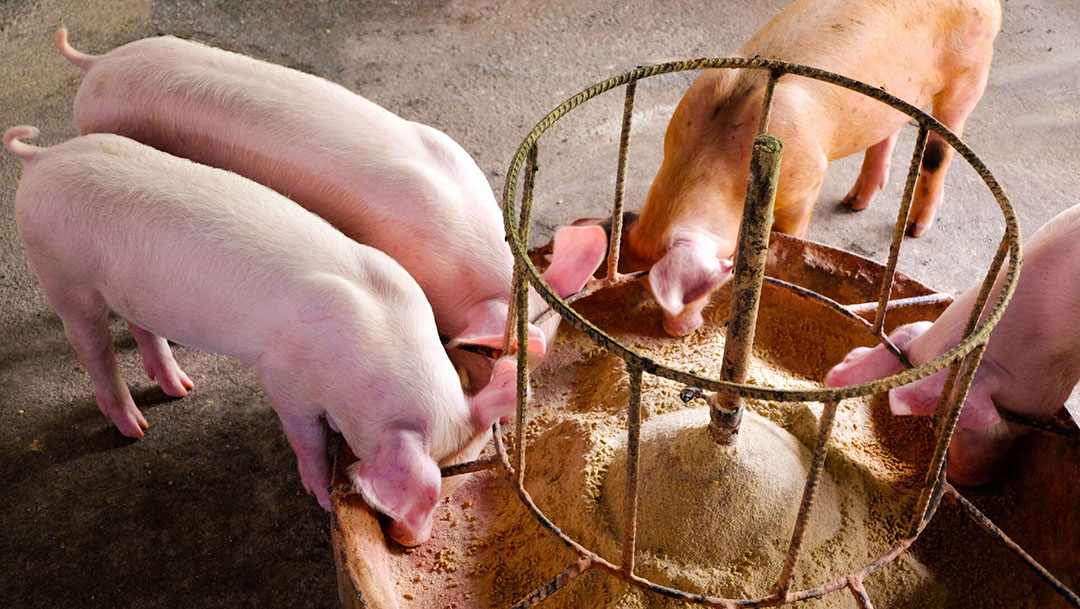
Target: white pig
pixel 922 51
pixel 399 186
pixel 212 260
pixel 1030 366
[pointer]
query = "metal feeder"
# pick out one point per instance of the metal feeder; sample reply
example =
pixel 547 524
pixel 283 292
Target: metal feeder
pixel 360 552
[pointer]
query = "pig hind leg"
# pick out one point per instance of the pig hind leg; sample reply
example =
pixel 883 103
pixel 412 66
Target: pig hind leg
pixel 874 173
pixel 85 315
pixel 795 206
pixel 951 107
pixel 159 363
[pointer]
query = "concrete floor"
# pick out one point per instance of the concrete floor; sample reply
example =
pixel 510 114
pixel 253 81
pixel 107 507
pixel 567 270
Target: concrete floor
pixel 208 510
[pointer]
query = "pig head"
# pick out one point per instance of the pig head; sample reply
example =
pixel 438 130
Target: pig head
pixel 398 474
pixel 1030 366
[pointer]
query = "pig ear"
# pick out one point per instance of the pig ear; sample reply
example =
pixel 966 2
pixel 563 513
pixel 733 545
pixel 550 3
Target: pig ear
pixel 498 398
pixel 486 325
pixel 865 364
pixel 577 252
pixel 685 274
pixel 401 480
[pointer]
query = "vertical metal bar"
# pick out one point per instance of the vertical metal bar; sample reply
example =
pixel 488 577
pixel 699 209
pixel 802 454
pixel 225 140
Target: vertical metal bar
pixel 632 461
pixel 976 312
pixel 519 313
pixel 935 477
pixel 766 104
pixel 521 297
pixel 898 231
pixel 825 425
pixel 948 410
pixel 749 274
pixel 615 240
pixel 527 187
pixel 524 220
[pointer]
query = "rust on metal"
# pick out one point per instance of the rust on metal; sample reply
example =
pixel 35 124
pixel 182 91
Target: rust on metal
pixel 477 465
pixel 615 234
pixel 633 440
pixel 1047 426
pixel 867 308
pixel 963 373
pixel 554 584
pixel 825 426
pixel 898 231
pixel 747 279
pixel 859 592
pixel 766 102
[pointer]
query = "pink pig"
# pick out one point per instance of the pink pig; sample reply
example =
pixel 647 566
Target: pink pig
pixel 212 260
pixel 920 51
pixel 399 186
pixel 1030 366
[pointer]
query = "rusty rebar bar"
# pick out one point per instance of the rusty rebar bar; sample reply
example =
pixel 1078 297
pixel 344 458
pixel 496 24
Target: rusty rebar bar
pixel 983 521
pixel 520 282
pixel 964 373
pixel 633 460
pixel 554 584
pixel 476 465
pixel 1047 426
pixel 615 240
pixel 766 102
pixel 900 228
pixel 522 305
pixel 813 477
pixel 748 277
pixel 528 185
pixel 863 308
pixel 859 592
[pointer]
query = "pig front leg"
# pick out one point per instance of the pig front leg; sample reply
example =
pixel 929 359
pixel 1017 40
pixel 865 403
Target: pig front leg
pixel 308 438
pixel 874 173
pixel 159 363
pixel 304 428
pixel 952 107
pixel 85 315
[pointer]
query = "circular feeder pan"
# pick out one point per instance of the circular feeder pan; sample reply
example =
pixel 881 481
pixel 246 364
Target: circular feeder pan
pixel 487 551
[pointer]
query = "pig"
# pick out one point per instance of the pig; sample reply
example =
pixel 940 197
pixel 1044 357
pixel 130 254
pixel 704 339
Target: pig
pixel 214 261
pixel 402 187
pixel 1031 363
pixel 921 51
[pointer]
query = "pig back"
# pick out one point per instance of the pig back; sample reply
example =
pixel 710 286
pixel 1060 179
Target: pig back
pixel 401 187
pixel 911 48
pixel 197 255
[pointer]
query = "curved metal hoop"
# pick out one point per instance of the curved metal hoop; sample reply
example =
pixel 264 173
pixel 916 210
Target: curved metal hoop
pixel 962 360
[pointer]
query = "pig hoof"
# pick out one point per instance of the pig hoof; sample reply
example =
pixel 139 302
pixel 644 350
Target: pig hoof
pixel 171 379
pixel 131 426
pixel 855 202
pixel 917 229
